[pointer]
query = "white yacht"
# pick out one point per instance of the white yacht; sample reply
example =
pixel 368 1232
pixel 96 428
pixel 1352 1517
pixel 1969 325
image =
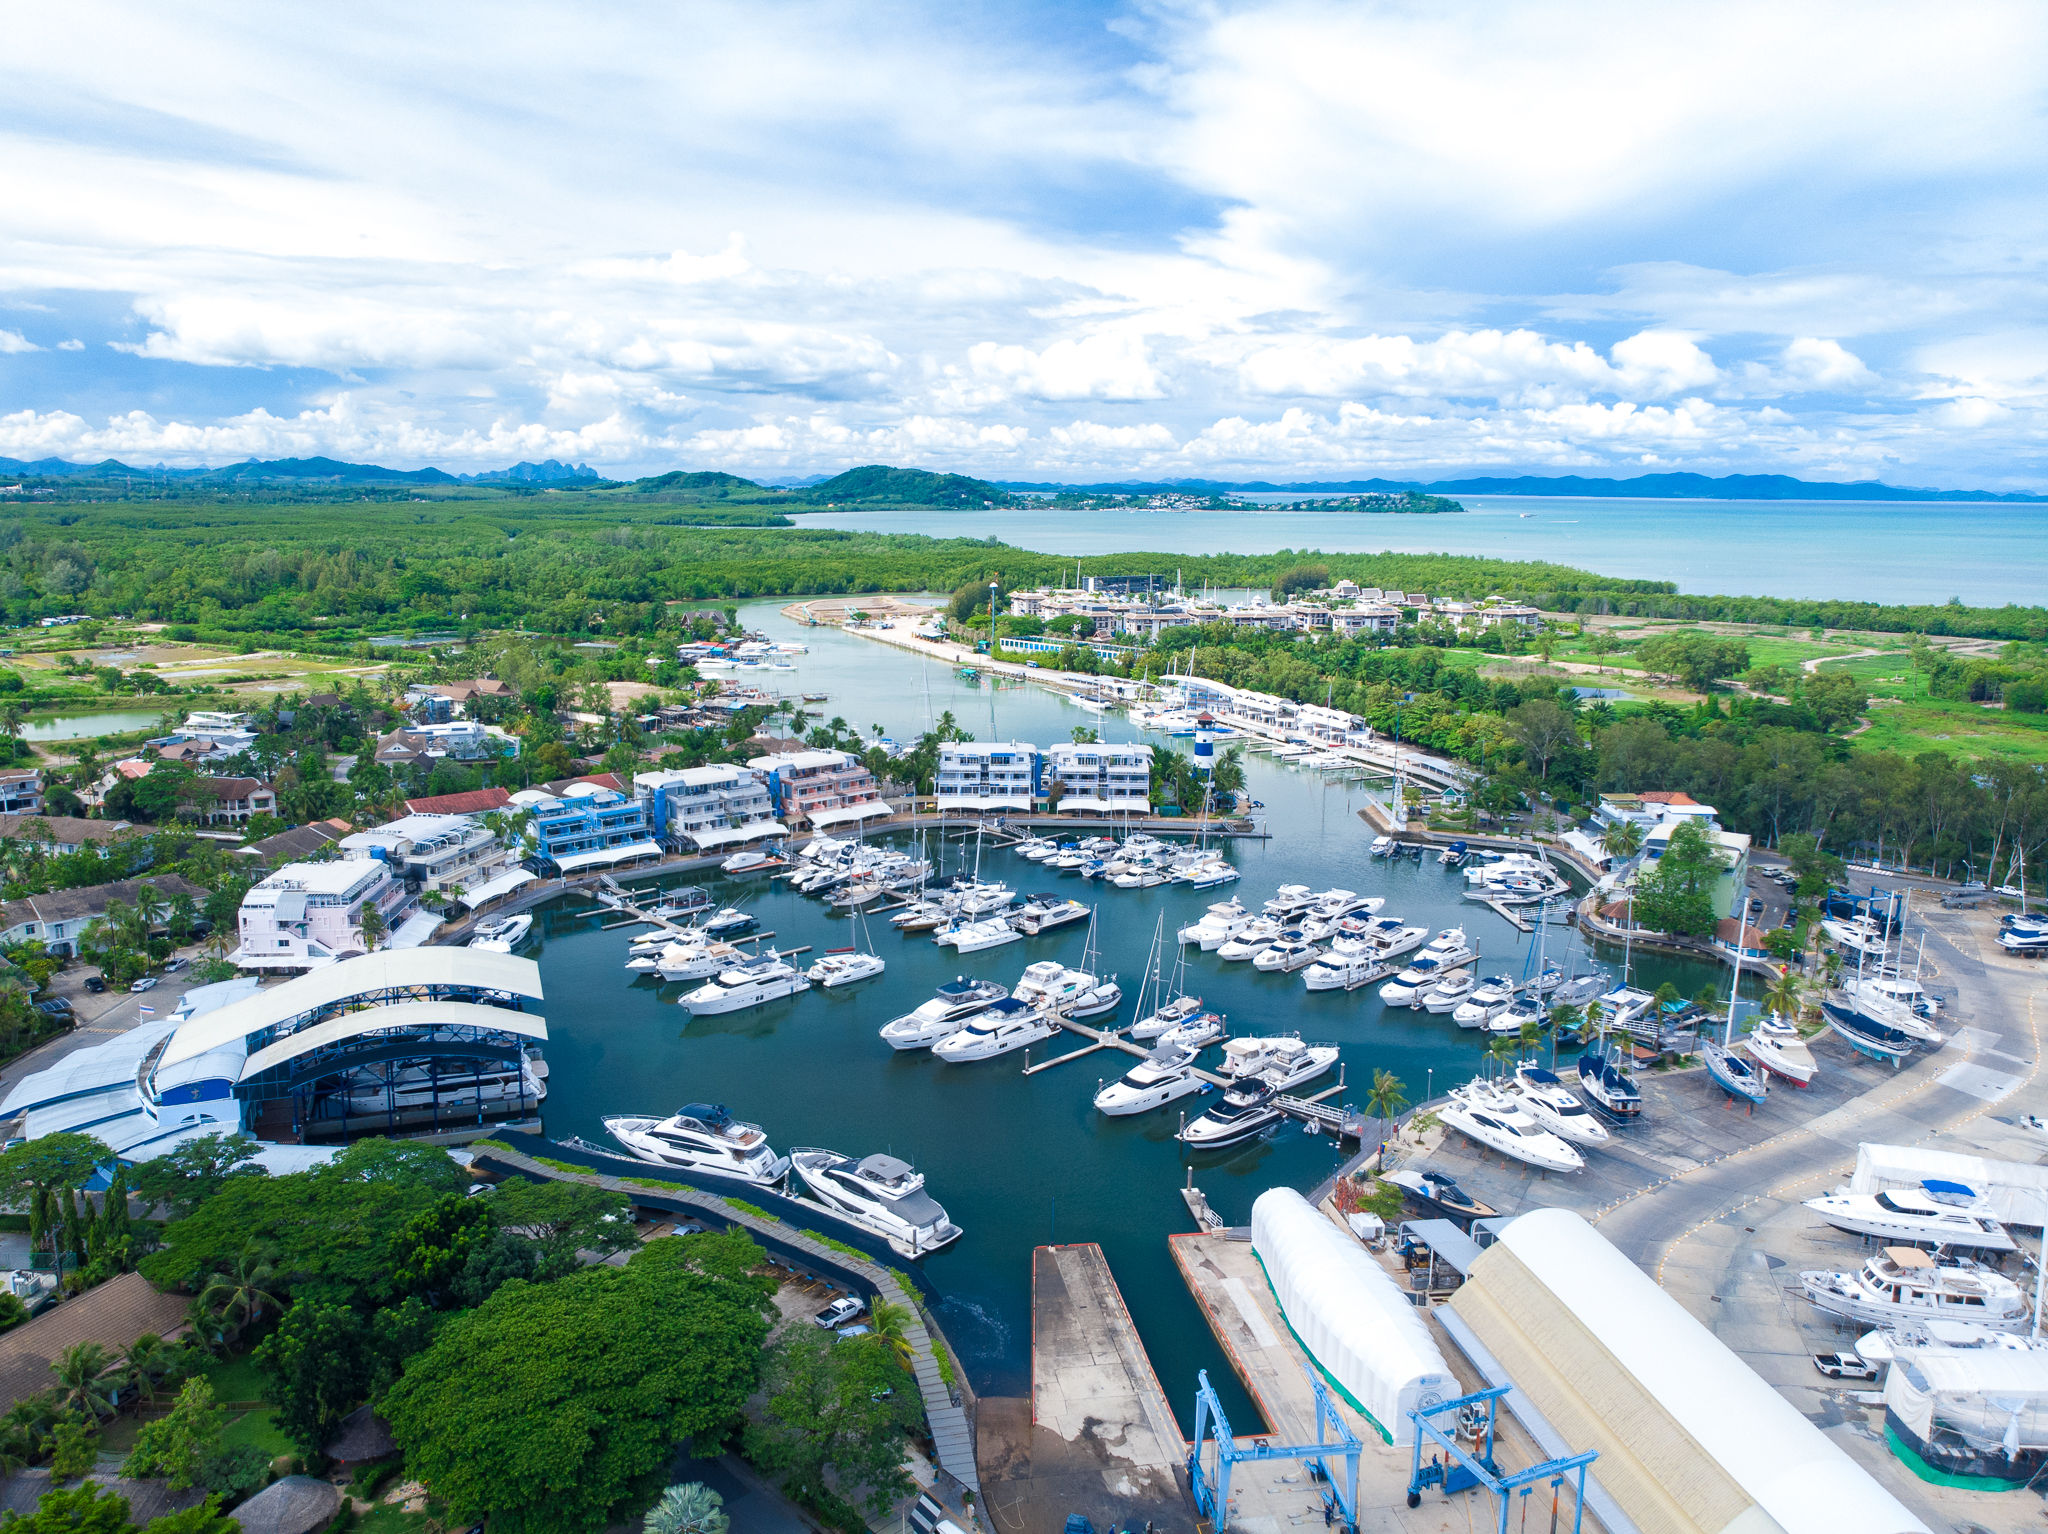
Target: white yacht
pixel 1860 936
pixel 1450 992
pixel 956 1001
pixel 1284 1060
pixel 704 1138
pixel 1873 1004
pixel 1488 996
pixel 1938 1213
pixel 1904 990
pixel 1338 972
pixel 1417 980
pixel 1168 1016
pixel 752 860
pixel 687 960
pixel 882 1193
pixel 1216 925
pixel 1010 1024
pixel 1450 947
pixel 1333 904
pixel 1289 901
pixel 1518 1014
pixel 1042 913
pixel 1778 1048
pixel 1072 992
pixel 1624 1004
pixel 1902 1284
pixel 749 983
pixel 1499 1124
pixel 1553 1105
pixel 1197 1033
pixel 974 936
pixel 844 966
pixel 1164 1076
pixel 1382 846
pixel 1285 955
pixel 502 936
pixel 1249 939
pixel 1246 1111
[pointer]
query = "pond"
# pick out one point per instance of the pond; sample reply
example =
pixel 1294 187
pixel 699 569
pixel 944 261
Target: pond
pixel 118 721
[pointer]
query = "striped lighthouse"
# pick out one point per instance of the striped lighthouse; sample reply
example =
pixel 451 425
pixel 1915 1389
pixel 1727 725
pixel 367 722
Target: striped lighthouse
pixel 1205 742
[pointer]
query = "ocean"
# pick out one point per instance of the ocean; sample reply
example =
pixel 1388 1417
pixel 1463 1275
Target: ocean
pixel 1987 555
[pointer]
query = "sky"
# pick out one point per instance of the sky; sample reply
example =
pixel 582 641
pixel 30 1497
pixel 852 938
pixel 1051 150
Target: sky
pixel 1282 239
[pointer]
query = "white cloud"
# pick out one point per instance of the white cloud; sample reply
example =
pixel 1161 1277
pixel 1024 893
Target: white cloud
pixel 12 341
pixel 1105 365
pixel 71 346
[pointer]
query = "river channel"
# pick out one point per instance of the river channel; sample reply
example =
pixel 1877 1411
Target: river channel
pixel 1019 1162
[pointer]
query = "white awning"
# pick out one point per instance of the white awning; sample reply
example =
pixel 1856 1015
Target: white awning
pixel 845 814
pixel 726 836
pixel 606 857
pixel 491 889
pixel 983 802
pixel 1132 806
pixel 415 929
pixel 1586 848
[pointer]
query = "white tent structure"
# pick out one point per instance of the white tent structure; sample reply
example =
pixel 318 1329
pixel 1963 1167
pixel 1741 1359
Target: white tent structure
pixel 1349 1315
pixel 2016 1191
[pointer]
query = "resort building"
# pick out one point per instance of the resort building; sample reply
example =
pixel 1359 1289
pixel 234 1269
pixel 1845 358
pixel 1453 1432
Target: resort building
pixel 61 918
pixel 587 826
pixel 1100 779
pixel 60 834
pixel 432 852
pixel 462 740
pixel 233 801
pixel 817 790
pixel 711 806
pixel 21 791
pixel 307 915
pixel 983 775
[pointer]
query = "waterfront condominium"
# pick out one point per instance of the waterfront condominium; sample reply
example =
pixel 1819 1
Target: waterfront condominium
pixel 817 790
pixel 711 806
pixel 989 775
pixel 1107 779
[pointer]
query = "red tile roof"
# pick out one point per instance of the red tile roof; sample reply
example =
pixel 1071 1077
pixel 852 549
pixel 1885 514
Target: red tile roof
pixel 474 802
pixel 1667 796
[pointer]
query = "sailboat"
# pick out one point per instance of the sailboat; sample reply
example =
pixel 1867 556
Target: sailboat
pixel 1736 1075
pixel 1172 1008
pixel 849 965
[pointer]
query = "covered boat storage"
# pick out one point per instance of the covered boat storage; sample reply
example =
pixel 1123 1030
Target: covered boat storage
pixel 1691 1441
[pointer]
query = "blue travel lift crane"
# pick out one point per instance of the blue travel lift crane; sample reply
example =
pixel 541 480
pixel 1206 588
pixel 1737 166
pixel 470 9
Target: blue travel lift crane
pixel 1462 1471
pixel 1212 1497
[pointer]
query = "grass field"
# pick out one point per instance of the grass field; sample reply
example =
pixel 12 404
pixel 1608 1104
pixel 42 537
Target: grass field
pixel 1912 722
pixel 237 1380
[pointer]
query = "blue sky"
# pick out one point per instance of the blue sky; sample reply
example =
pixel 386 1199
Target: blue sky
pixel 1275 240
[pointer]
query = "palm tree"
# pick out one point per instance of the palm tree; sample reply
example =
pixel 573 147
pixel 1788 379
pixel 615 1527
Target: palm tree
pixel 12 721
pixel 1622 840
pixel 80 1386
pixel 148 1362
pixel 1387 1097
pixel 241 1296
pixel 1785 995
pixel 890 1325
pixel 692 1508
pixel 1501 1050
pixel 372 925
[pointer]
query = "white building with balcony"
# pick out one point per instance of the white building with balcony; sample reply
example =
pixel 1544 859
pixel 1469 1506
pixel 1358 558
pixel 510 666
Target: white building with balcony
pixel 308 915
pixel 1101 779
pixel 432 852
pixel 818 790
pixel 988 775
pixel 710 806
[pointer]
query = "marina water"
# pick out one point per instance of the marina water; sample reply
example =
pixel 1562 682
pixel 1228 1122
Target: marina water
pixel 1019 1162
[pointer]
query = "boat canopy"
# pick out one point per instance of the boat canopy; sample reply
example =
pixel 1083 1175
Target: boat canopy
pixel 1349 1314
pixel 2014 1192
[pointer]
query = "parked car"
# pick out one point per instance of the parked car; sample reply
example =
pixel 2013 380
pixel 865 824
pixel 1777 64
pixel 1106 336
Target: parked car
pixel 839 1312
pixel 146 983
pixel 1844 1366
pixel 172 966
pixel 96 983
pixel 56 1006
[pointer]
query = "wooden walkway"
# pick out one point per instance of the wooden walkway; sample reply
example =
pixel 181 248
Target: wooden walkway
pixel 952 1434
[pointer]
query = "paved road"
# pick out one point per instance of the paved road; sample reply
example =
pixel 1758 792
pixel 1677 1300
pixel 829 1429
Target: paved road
pixel 100 1018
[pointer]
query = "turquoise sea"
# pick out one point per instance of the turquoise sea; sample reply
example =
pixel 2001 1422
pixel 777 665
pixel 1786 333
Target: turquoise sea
pixel 1877 551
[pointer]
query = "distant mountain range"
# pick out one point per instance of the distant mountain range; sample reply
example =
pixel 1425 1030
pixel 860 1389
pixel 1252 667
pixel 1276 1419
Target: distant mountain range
pixel 879 484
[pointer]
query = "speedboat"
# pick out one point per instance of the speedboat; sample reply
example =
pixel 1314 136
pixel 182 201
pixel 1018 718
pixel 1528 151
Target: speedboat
pixel 1246 1111
pixel 752 860
pixel 703 1138
pixel 1169 1016
pixel 1937 1213
pixel 1164 1076
pixel 1450 992
pixel 1733 1074
pixel 882 1193
pixel 1495 1121
pixel 1286 955
pixel 1440 1195
pixel 974 936
pixel 502 936
pixel 1418 979
pixel 1551 1103
pixel 1073 993
pixel 1007 1025
pixel 844 966
pixel 749 983
pixel 1779 1049
pixel 1488 997
pixel 1249 939
pixel 1609 1086
pixel 1903 1284
pixel 954 1002
pixel 1283 1060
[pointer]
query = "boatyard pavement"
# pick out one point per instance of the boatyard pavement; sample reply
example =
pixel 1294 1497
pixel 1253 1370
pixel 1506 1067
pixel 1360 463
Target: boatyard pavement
pixel 1706 1196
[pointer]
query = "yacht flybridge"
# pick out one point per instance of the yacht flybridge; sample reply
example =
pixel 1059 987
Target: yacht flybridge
pixel 1903 1283
pixel 1164 1076
pixel 1284 1061
pixel 1499 1123
pixel 1938 1213
pixel 957 1000
pixel 880 1193
pixel 1008 1025
pixel 702 1138
pixel 1246 1111
pixel 748 983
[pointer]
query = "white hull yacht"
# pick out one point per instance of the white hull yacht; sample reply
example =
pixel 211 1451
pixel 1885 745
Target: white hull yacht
pixel 1246 1111
pixel 1164 1076
pixel 751 983
pixel 702 1138
pixel 1905 1215
pixel 1007 1026
pixel 1450 992
pixel 1903 1284
pixel 879 1193
pixel 844 967
pixel 504 935
pixel 956 1001
pixel 1284 1061
pixel 1552 1104
pixel 1073 993
pixel 1495 1121
pixel 1779 1049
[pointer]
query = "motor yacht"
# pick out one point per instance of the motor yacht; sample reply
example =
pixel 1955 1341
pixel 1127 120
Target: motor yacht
pixel 1042 913
pixel 687 960
pixel 1164 1076
pixel 1901 990
pixel 1006 1025
pixel 881 1193
pixel 1779 1049
pixel 1450 992
pixel 1519 1013
pixel 1451 947
pixel 752 860
pixel 1381 846
pixel 1488 996
pixel 1440 1195
pixel 1874 1005
pixel 502 936
pixel 1282 1059
pixel 1335 972
pixel 1285 955
pixel 1036 848
pixel 1216 925
pixel 1072 992
pixel 1498 1123
pixel 1872 1039
pixel 1417 980
pixel 1937 1213
pixel 1624 1005
pixel 1861 936
pixel 1334 904
pixel 975 936
pixel 1168 1016
pixel 1737 1075
pixel 1553 1105
pixel 957 1000
pixel 703 1138
pixel 1245 1111
pixel 749 983
pixel 1289 901
pixel 1579 990
pixel 1209 874
pixel 919 916
pixel 1249 939
pixel 862 889
pixel 728 922
pixel 1902 1284
pixel 844 966
pixel 1609 1086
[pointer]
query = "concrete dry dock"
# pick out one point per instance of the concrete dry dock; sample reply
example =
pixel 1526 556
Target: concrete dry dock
pixel 1277 1497
pixel 1099 1437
